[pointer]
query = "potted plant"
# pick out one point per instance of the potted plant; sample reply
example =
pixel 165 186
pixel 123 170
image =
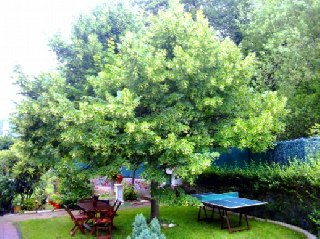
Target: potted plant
pixel 55 200
pixel 16 202
pixel 119 178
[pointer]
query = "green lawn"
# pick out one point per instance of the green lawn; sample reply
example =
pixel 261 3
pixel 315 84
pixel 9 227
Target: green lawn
pixel 185 217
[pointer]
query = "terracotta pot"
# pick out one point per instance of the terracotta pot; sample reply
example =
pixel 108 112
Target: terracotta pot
pixel 17 209
pixel 119 178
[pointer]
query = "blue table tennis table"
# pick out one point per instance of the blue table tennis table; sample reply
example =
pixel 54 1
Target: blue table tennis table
pixel 225 203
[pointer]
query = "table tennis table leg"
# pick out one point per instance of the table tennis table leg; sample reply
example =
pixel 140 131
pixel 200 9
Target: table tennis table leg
pixel 224 216
pixel 199 212
pixel 205 213
pixel 246 219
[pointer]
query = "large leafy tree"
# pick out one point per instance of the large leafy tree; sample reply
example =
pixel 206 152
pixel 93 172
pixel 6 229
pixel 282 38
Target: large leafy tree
pixel 166 96
pixel 172 94
pixel 285 37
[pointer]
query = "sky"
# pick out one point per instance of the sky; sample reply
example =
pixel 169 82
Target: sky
pixel 25 27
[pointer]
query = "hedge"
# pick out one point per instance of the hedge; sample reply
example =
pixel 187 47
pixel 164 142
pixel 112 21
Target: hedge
pixel 292 191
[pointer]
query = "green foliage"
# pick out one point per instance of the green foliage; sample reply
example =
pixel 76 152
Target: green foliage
pixel 74 184
pixel 41 117
pixel 174 197
pixel 18 175
pixel 223 15
pixel 85 54
pixel 315 217
pixel 7 184
pixel 30 204
pixel 185 104
pixel 17 201
pixel 6 142
pixel 315 130
pixel 142 231
pixel 6 192
pixel 285 37
pixel 290 190
pixel 55 198
pixel 129 193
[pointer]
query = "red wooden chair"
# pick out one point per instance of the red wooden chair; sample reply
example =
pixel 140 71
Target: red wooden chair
pixel 105 220
pixel 102 223
pixel 78 221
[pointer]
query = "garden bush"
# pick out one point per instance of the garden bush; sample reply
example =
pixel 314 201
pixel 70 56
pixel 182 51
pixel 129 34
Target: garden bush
pixel 292 191
pixel 129 193
pixel 30 204
pixel 74 183
pixel 142 231
pixel 175 197
pixel 6 193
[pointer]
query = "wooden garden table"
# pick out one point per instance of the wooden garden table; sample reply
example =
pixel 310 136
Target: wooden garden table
pixel 93 208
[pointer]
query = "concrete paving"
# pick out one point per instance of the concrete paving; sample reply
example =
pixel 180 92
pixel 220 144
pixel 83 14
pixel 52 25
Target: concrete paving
pixel 8 231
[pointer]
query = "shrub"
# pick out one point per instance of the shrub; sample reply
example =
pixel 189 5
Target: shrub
pixel 177 196
pixel 129 193
pixel 315 217
pixel 73 184
pixel 142 231
pixel 6 192
pixel 29 204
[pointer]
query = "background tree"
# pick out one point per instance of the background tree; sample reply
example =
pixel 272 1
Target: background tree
pixel 285 37
pixel 223 15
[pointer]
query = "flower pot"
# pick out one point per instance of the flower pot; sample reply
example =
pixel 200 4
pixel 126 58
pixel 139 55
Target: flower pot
pixel 119 178
pixel 54 204
pixel 16 208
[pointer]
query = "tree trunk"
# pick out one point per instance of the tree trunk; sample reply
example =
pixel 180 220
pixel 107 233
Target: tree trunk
pixel 112 186
pixel 154 203
pixel 55 186
pixel 133 176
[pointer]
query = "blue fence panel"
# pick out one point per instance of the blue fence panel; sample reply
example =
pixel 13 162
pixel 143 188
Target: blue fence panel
pixel 233 158
pixel 127 173
pixel 282 153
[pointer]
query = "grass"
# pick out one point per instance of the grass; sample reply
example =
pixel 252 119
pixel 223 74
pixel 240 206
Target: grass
pixel 185 217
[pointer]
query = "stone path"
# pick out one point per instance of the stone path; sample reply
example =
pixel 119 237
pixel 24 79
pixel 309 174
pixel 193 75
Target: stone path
pixel 8 231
